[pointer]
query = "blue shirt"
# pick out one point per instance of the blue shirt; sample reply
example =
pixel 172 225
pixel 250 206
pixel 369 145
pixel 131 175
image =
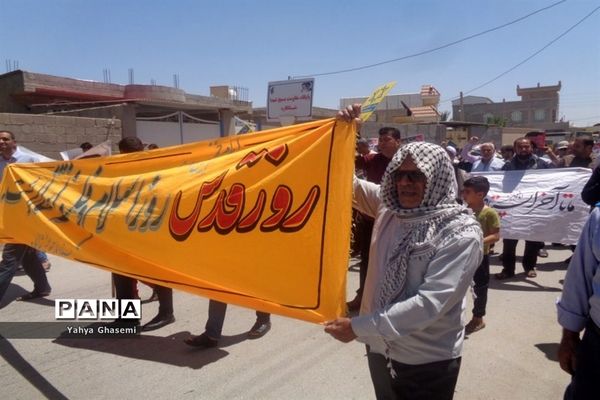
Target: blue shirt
pixel 17 157
pixel 580 298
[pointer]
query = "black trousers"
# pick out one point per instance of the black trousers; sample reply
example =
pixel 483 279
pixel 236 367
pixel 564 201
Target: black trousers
pixel 125 288
pixel 529 256
pixel 432 381
pixel 584 383
pixel 481 281
pixel 14 254
pixel 364 230
pixel 165 300
pixel 216 318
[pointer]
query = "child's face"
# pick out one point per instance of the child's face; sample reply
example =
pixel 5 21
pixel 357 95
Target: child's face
pixel 471 197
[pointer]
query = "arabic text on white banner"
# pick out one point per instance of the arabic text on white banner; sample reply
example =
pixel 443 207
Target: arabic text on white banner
pixel 542 205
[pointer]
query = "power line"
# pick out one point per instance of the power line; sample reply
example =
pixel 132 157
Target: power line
pixel 435 48
pixel 530 57
pixel 586 118
pixel 569 103
pixel 576 94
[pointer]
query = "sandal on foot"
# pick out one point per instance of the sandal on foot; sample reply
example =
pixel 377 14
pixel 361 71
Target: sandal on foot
pixel 531 274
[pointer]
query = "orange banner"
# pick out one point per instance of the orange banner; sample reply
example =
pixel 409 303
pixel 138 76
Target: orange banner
pixel 260 220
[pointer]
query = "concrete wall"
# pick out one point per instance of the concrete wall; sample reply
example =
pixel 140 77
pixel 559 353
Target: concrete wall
pixel 126 113
pixel 49 134
pixel 166 134
pixel 390 108
pixel 9 84
pixel 34 81
pixel 432 133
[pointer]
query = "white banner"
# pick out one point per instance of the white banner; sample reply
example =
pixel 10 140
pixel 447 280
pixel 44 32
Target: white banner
pixel 542 205
pixel 38 156
pixel 103 149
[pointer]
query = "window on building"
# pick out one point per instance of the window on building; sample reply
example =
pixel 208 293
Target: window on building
pixel 516 116
pixel 488 117
pixel 539 115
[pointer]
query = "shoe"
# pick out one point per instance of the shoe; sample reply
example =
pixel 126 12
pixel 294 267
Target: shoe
pixel 504 275
pixel 542 253
pixel 476 324
pixel 201 341
pixel 47 265
pixel 354 304
pixel 32 295
pixel 158 322
pixel 531 273
pixel 124 323
pixel 259 329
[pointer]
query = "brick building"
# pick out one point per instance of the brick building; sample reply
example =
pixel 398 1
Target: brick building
pixel 537 109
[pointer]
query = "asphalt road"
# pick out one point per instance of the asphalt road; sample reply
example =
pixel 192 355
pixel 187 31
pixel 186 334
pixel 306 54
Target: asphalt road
pixel 514 357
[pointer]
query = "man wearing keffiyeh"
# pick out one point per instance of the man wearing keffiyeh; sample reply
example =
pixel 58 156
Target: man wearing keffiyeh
pixel 425 250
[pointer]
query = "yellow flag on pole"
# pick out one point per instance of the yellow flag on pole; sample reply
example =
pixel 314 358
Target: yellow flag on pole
pixel 368 107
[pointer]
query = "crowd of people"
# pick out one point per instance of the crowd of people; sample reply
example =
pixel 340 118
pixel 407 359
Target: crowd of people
pixel 424 235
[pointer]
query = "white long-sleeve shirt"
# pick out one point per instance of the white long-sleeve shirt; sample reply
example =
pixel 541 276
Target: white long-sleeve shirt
pixel 426 323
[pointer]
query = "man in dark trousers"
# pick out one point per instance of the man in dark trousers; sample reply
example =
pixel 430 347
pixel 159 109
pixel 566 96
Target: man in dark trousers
pixel 374 166
pixel 524 159
pixel 214 326
pixel 126 287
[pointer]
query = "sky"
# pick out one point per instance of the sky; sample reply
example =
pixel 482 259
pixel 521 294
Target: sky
pixel 250 43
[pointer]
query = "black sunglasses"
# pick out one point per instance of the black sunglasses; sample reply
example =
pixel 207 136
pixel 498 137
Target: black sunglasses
pixel 413 176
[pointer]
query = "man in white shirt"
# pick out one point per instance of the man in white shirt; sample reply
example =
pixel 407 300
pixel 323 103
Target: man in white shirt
pixel 424 252
pixel 488 160
pixel 15 254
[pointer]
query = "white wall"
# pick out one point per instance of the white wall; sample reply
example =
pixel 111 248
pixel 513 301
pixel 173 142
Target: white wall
pixel 167 133
pixel 391 102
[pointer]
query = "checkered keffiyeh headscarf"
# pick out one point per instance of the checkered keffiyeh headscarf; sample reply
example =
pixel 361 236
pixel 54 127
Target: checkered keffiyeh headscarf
pixel 433 161
pixel 428 227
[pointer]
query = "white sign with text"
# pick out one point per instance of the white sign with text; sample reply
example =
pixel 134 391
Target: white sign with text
pixel 292 98
pixel 541 205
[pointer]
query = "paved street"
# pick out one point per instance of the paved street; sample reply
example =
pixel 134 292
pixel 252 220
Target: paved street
pixel 512 358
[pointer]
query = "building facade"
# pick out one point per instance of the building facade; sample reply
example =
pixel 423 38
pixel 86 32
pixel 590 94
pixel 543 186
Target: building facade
pixel 404 108
pixel 537 109
pixel 156 114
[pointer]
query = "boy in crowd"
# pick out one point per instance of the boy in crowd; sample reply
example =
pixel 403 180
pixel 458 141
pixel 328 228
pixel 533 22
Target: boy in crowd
pixel 474 192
